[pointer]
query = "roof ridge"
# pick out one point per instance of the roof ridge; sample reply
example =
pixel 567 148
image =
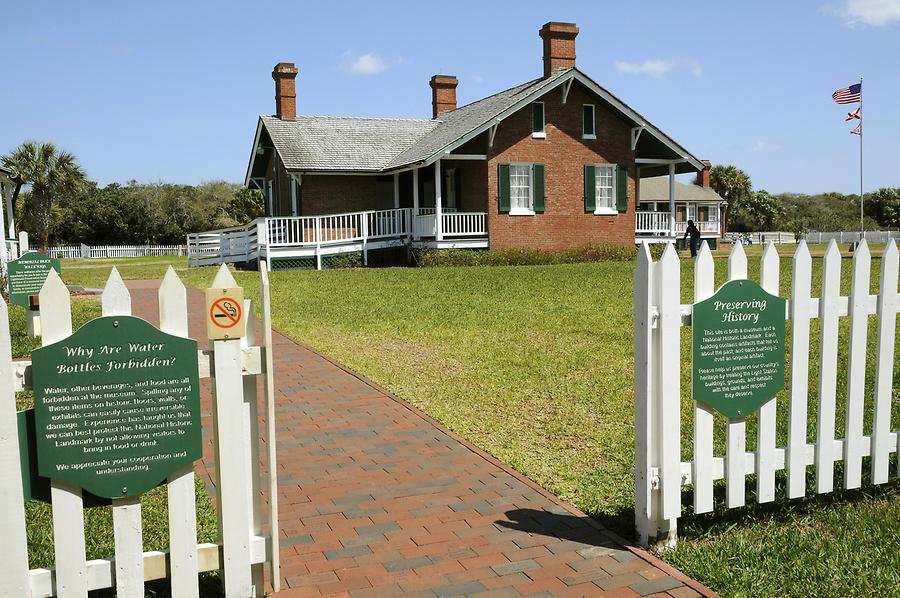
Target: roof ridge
pixel 526 84
pixel 417 120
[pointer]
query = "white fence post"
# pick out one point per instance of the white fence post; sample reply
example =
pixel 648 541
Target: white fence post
pixel 233 487
pixel 828 355
pixel 668 290
pixel 271 440
pixel 68 507
pixel 14 564
pixel 704 287
pixel 181 493
pixel 769 278
pixel 736 431
pixel 884 367
pixel 116 301
pixel 856 368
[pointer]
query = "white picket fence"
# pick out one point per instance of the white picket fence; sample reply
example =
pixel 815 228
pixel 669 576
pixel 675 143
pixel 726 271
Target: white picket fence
pixel 109 251
pixel 242 550
pixel 782 237
pixel 660 474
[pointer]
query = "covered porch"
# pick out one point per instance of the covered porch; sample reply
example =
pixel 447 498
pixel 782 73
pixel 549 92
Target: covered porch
pixel 664 206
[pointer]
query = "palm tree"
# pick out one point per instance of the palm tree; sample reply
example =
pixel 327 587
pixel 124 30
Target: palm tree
pixel 732 184
pixel 50 172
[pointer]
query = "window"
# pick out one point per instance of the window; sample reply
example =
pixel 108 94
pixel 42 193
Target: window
pixel 588 127
pixel 537 120
pixel 520 189
pixel 605 181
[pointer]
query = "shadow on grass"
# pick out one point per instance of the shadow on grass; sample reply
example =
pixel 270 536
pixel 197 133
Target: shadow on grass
pixel 781 510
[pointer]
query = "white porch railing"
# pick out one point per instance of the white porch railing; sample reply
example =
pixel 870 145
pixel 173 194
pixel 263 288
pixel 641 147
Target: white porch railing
pixel 226 245
pixel 454 224
pixel 658 223
pixel 704 226
pixel 326 235
pixel 651 222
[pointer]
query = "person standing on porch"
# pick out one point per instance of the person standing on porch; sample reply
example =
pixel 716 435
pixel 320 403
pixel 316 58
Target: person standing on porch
pixel 694 233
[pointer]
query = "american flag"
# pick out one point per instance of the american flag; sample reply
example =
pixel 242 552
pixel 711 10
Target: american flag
pixel 848 95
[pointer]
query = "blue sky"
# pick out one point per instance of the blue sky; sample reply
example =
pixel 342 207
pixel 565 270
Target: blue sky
pixel 170 91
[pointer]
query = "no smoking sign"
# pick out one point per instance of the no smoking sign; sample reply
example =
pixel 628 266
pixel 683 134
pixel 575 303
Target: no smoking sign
pixel 225 319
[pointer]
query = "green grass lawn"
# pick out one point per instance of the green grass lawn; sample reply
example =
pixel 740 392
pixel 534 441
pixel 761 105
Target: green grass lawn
pixel 535 365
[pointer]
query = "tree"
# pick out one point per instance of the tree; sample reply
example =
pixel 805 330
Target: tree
pixel 51 174
pixel 884 207
pixel 732 184
pixel 758 211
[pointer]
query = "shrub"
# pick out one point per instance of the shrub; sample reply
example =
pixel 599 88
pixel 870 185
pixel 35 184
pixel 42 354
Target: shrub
pixel 352 259
pixel 514 256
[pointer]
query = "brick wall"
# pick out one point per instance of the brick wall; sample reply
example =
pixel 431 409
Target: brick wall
pixel 335 194
pixel 564 153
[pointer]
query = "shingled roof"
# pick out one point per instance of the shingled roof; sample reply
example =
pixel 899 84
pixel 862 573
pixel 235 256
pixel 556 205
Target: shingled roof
pixel 322 143
pixel 657 189
pixel 347 144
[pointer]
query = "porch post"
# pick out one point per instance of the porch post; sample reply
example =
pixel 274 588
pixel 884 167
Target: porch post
pixel 438 215
pixel 415 208
pixel 672 200
pixel 396 190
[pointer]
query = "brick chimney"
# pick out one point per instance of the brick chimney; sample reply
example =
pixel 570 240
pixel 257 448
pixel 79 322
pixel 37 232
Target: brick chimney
pixel 559 46
pixel 284 74
pixel 443 94
pixel 703 175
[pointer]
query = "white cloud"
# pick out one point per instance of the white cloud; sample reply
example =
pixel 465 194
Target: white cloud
pixel 364 64
pixel 658 68
pixel 654 68
pixel 764 146
pixel 874 13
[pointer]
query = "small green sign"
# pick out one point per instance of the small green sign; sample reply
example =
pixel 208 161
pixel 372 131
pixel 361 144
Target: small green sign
pixel 738 348
pixel 117 406
pixel 27 275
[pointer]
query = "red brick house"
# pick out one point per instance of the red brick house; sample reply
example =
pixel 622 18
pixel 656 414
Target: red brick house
pixel 552 163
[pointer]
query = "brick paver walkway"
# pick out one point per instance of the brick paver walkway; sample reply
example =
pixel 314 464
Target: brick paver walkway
pixel 377 499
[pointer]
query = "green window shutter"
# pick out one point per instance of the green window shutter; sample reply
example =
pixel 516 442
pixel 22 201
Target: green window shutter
pixel 590 188
pixel 537 183
pixel 503 188
pixel 537 117
pixel 621 188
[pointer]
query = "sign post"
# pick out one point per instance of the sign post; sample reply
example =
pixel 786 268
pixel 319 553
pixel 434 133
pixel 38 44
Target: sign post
pixel 738 348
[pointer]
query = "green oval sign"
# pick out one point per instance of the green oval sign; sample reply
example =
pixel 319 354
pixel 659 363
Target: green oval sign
pixel 117 406
pixel 738 348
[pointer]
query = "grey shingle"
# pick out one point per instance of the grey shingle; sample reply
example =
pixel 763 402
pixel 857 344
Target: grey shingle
pixel 341 143
pixel 657 189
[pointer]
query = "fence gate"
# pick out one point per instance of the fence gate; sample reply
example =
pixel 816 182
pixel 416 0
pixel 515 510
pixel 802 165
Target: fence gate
pixel 660 474
pixel 242 550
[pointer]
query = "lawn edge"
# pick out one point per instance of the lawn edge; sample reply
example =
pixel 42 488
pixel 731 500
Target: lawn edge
pixel 637 551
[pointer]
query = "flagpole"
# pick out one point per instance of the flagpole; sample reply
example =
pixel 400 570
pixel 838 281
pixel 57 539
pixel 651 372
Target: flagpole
pixel 862 229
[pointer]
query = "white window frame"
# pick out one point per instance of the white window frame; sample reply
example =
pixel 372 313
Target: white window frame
pixel 604 210
pixel 593 122
pixel 542 134
pixel 529 209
